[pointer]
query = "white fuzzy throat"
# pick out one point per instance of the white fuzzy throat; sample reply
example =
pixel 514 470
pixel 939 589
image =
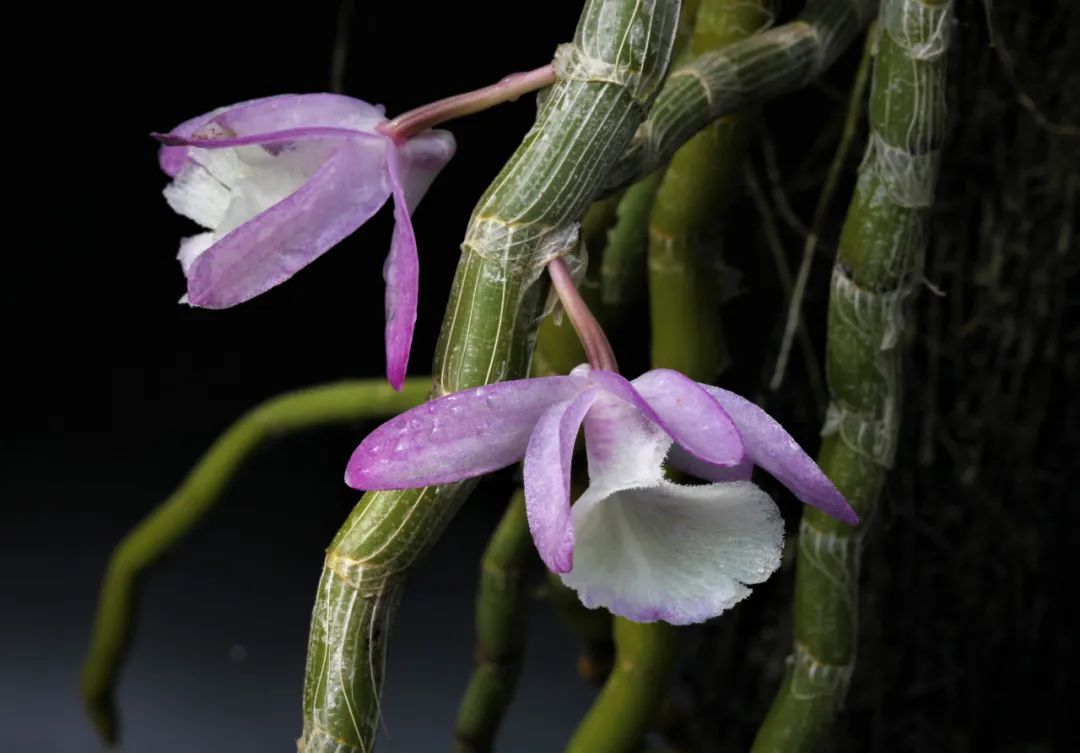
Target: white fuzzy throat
pixel 221 189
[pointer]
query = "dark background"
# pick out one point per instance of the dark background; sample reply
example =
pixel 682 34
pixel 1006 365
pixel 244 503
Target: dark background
pixel 113 390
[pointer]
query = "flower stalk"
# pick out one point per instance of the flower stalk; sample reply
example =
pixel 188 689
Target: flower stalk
pixel 507 89
pixel 877 269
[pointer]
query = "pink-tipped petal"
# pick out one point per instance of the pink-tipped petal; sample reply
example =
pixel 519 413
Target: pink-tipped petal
pixel 768 445
pixel 257 246
pixel 681 554
pixel 547 479
pixel 412 168
pixel 691 416
pixel 457 436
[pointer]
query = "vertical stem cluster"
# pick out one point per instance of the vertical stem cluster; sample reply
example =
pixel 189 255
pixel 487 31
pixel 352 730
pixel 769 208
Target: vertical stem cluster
pixel 528 216
pixel 877 267
pixel 694 190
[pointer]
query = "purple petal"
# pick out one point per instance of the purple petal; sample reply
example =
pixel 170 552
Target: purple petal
pixel 691 417
pixel 457 436
pixel 265 250
pixel 547 479
pixel 412 169
pixel 275 113
pixel 772 448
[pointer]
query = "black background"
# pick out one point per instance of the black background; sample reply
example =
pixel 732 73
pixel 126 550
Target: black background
pixel 114 389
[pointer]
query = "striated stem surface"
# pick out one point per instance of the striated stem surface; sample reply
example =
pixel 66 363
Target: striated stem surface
pixel 527 217
pixel 739 75
pixel 878 267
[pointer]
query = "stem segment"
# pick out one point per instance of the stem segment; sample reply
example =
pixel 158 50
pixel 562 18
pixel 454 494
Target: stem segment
pixel 740 75
pixel 324 405
pixel 527 217
pixel 877 268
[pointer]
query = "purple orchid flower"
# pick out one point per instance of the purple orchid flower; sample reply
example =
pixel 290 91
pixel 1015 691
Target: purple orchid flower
pixel 635 542
pixel 278 181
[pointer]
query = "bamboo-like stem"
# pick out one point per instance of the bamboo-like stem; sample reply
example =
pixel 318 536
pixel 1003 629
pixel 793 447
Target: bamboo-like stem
pixel 877 268
pixel 501 618
pixel 159 532
pixel 695 190
pixel 528 216
pixel 856 100
pixel 740 75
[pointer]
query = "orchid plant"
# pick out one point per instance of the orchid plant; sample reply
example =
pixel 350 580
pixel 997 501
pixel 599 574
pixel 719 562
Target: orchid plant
pixel 277 182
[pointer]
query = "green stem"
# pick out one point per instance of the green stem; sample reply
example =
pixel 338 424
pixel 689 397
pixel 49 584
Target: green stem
pixel 627 705
pixel 343 402
pixel 695 189
pixel 501 618
pixel 877 268
pixel 529 215
pixel 738 76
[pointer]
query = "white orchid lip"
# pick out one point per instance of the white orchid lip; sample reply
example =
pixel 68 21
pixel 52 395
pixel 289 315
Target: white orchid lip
pixel 636 543
pixel 279 181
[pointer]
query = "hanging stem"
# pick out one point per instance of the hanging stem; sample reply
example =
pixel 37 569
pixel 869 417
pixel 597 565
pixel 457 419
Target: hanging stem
pixel 501 618
pixel 159 532
pixel 507 89
pixel 527 216
pixel 877 268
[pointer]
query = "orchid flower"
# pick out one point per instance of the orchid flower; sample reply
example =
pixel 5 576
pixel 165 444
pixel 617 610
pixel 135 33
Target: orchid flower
pixel 635 542
pixel 278 181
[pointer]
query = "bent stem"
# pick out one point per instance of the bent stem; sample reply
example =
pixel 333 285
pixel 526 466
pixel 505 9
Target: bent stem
pixel 159 532
pixel 527 216
pixel 507 89
pixel 878 267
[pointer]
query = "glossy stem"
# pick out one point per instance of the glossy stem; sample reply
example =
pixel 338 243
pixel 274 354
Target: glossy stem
pixel 878 268
pixel 506 89
pixel 200 491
